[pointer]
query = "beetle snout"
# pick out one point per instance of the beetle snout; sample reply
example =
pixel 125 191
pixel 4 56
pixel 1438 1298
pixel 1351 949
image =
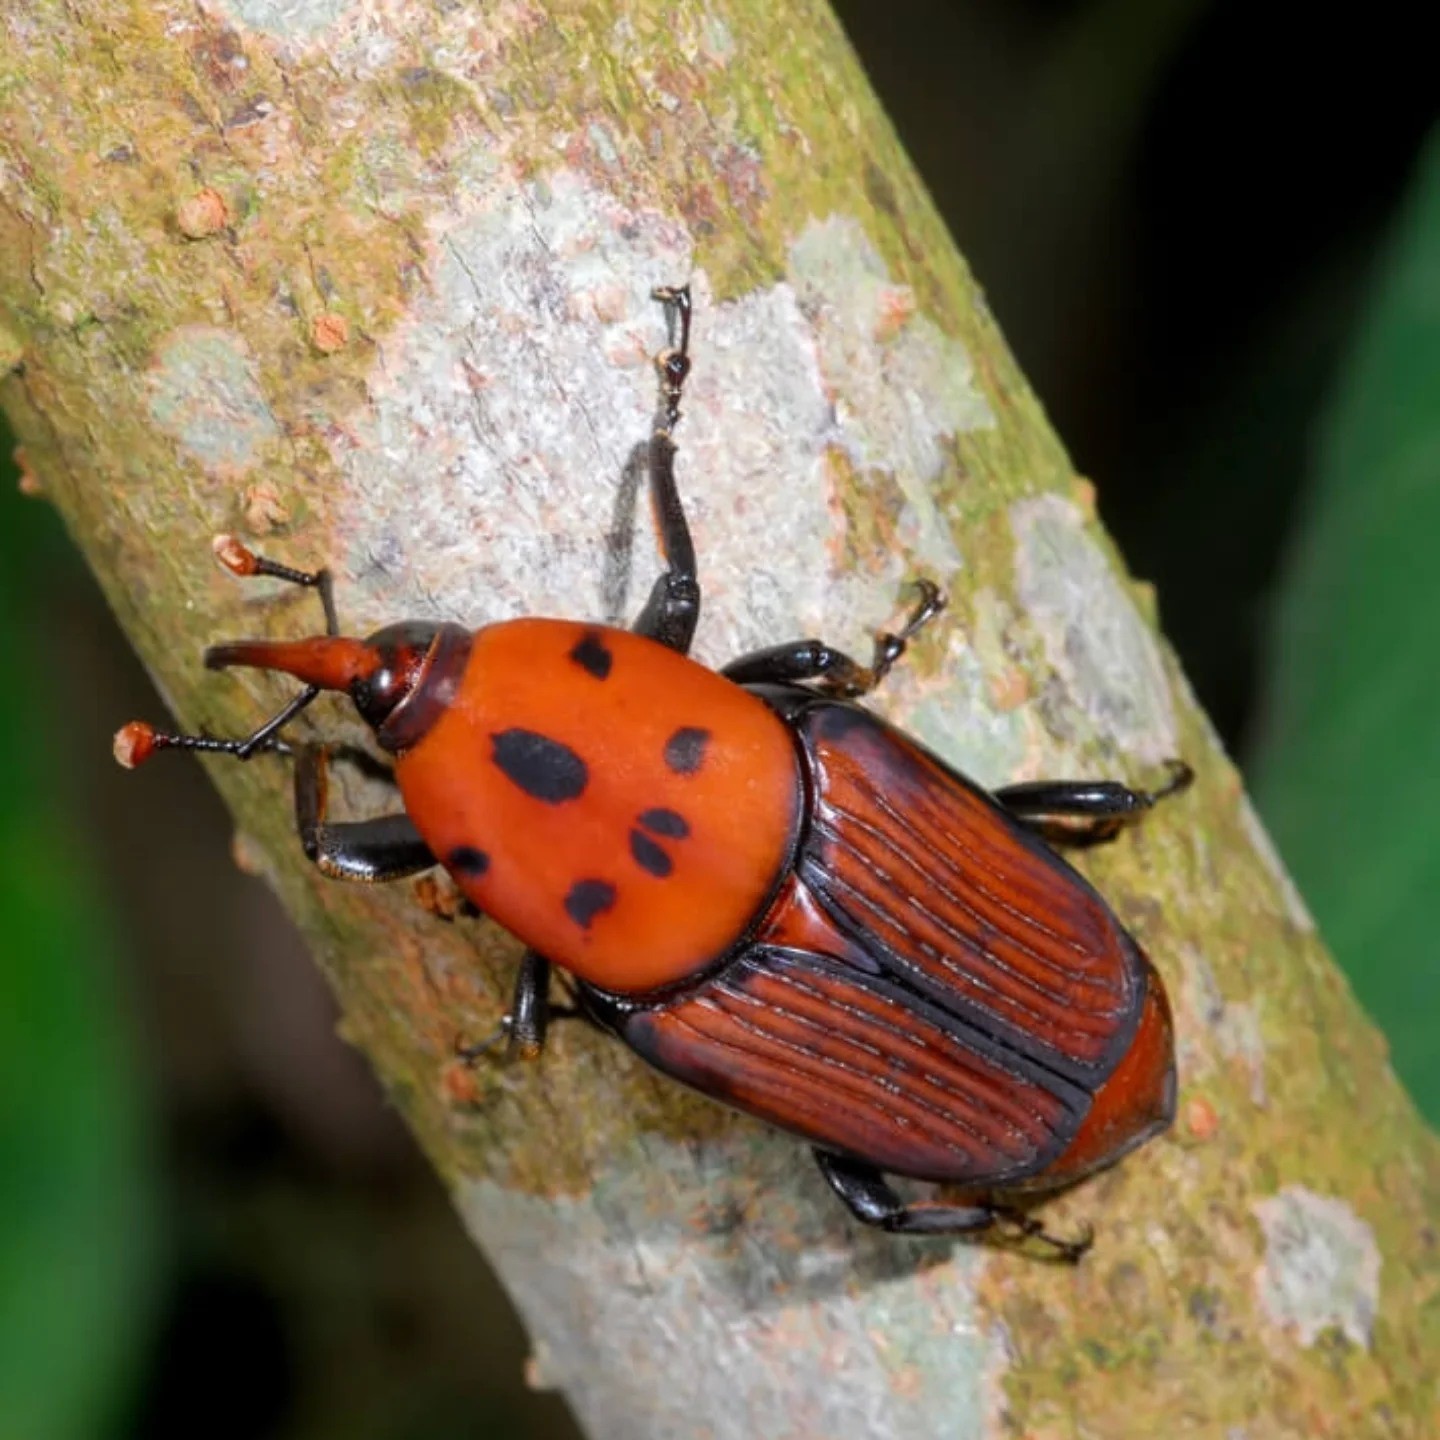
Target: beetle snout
pixel 332 662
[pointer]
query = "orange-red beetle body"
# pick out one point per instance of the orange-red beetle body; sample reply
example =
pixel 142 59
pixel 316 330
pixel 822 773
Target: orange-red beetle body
pixel 756 884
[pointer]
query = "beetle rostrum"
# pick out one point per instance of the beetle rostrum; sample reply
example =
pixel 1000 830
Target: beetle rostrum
pixel 752 881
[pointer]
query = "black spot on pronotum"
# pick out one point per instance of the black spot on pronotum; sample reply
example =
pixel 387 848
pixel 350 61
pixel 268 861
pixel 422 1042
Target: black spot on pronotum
pixel 468 861
pixel 587 899
pixel 540 766
pixel 661 821
pixel 590 654
pixel 648 855
pixel 685 749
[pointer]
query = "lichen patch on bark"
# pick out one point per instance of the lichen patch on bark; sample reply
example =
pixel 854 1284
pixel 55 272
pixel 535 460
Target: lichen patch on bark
pixel 973 708
pixel 1321 1269
pixel 1093 635
pixel 900 386
pixel 288 19
pixel 203 390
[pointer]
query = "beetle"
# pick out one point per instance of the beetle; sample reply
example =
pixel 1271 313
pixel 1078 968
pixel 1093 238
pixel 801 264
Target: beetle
pixel 757 884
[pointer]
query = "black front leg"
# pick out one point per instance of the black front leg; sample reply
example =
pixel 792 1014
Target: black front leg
pixel 386 848
pixel 673 609
pixel 871 1201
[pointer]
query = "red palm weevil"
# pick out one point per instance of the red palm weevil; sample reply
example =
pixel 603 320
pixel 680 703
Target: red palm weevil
pixel 752 881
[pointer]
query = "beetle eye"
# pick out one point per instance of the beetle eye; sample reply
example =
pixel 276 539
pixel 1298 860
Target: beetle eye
pixel 400 652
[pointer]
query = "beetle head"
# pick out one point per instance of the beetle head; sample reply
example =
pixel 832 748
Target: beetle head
pixel 400 678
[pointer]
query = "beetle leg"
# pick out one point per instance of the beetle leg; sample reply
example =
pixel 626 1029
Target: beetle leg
pixel 529 1017
pixel 870 1200
pixel 1086 812
pixel 799 661
pixel 673 609
pixel 832 670
pixel 386 848
pixel 527 1022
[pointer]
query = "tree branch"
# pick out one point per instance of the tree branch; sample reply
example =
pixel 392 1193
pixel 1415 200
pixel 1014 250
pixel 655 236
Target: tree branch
pixel 369 286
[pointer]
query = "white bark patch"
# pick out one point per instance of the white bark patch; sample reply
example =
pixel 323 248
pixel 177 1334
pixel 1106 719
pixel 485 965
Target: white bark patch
pixel 1240 1038
pixel 523 378
pixel 720 47
pixel 203 391
pixel 505 411
pixel 895 1350
pixel 969 711
pixel 756 481
pixel 1322 1266
pixel 1094 637
pixel 364 39
pixel 288 19
pixel 900 386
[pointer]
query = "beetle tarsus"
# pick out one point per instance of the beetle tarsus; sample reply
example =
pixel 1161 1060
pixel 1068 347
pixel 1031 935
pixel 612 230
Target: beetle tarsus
pixel 473 1053
pixel 889 647
pixel 520 1049
pixel 870 1199
pixel 526 1024
pixel 1027 1227
pixel 831 671
pixel 1182 776
pixel 673 362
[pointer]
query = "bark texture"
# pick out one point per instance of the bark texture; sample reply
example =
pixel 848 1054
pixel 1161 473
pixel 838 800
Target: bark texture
pixel 365 281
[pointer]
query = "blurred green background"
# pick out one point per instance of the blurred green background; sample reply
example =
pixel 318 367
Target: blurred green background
pixel 1213 238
